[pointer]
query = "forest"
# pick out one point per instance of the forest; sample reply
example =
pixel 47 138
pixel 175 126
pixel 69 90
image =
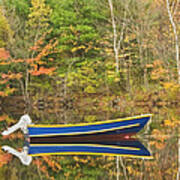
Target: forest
pixel 71 61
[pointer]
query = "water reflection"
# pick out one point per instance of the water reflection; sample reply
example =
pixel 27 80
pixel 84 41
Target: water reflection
pixel 123 147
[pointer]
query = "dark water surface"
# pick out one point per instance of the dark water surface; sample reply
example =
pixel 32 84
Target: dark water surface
pixel 160 137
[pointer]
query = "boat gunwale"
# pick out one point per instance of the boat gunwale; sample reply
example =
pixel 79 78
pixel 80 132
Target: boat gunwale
pixel 93 123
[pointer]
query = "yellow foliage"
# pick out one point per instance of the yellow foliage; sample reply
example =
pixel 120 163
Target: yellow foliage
pixel 110 158
pixel 84 161
pixel 168 123
pixel 76 158
pixel 90 89
pixel 90 118
pixel 130 169
pixel 67 174
pixel 126 39
pixel 171 86
pixel 77 165
pixel 77 48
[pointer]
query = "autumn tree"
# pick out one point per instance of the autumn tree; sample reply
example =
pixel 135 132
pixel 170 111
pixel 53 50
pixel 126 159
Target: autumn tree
pixel 26 34
pixel 38 21
pixel 5 30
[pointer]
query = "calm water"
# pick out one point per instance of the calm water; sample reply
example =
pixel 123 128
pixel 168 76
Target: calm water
pixel 160 137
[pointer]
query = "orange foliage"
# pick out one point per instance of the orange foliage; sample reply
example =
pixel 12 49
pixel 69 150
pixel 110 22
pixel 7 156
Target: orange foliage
pixel 54 165
pixel 17 60
pixel 158 135
pixel 30 60
pixel 159 72
pixel 3 94
pixel 41 167
pixel 44 170
pixel 31 64
pixel 11 76
pixel 7 91
pixel 42 70
pixel 3 81
pixel 39 42
pixel 4 158
pixel 4 63
pixel 42 52
pixel 159 141
pixel 4 54
pixel 13 136
pixel 37 162
pixel 3 117
pixel 48 49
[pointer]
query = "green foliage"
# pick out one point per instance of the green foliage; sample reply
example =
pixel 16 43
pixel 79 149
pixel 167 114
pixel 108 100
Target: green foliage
pixel 21 7
pixel 85 79
pixel 75 28
pixel 5 30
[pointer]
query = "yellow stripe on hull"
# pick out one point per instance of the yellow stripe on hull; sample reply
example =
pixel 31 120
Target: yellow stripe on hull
pixel 91 132
pixel 83 153
pixel 87 145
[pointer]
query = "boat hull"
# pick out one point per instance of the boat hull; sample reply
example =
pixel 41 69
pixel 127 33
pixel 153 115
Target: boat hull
pixel 111 127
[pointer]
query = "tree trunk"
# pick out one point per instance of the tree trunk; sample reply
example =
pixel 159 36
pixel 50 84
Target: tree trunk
pixel 176 38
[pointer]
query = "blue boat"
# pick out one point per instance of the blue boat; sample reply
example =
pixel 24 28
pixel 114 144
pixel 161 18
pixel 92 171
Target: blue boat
pixel 123 126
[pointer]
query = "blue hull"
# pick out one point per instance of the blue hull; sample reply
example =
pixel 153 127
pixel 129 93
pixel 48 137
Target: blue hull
pixel 130 125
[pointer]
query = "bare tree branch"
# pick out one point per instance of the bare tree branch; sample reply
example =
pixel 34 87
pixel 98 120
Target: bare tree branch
pixel 124 169
pixel 116 42
pixel 178 173
pixel 117 167
pixel 176 38
pixel 115 35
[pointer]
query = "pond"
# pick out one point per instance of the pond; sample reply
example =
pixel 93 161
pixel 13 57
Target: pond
pixel 160 137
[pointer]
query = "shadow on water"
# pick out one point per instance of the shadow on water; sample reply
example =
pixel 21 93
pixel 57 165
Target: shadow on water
pixel 160 137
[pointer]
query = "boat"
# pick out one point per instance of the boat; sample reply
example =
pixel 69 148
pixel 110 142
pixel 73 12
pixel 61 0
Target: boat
pixel 111 138
pixel 123 126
